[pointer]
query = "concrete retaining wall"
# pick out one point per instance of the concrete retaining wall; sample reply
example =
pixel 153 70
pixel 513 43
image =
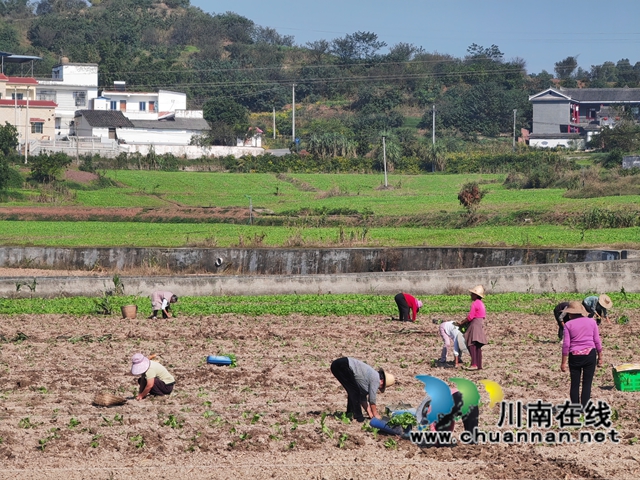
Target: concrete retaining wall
pixel 299 261
pixel 584 277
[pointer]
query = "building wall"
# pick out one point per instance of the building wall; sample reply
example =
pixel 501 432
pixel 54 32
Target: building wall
pixel 549 115
pixel 172 101
pixel 18 118
pixel 571 144
pixel 163 137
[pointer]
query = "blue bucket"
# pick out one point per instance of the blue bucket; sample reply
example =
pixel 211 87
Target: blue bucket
pixel 384 428
pixel 218 360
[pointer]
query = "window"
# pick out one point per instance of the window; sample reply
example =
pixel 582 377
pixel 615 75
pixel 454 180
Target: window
pixel 143 106
pixel 17 96
pixel 152 106
pixel 113 105
pixel 123 105
pixel 80 98
pixel 46 95
pixel 37 127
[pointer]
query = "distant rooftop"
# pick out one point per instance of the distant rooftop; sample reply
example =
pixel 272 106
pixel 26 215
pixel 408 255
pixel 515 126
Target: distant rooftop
pixel 6 57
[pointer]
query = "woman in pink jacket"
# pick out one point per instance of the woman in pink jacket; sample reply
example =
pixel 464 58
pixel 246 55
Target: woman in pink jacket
pixel 581 349
pixel 475 336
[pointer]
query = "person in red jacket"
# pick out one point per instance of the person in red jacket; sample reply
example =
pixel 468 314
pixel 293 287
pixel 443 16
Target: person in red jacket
pixel 405 303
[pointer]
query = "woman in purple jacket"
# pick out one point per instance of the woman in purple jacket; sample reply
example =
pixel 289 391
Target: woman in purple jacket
pixel 582 350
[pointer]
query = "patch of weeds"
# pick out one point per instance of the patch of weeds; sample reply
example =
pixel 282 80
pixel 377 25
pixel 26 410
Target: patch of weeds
pixel 26 423
pixel 342 441
pixel 256 418
pixel 234 360
pixel 244 436
pixel 291 445
pixel 137 440
pixel 323 426
pixel 194 442
pixel 94 441
pixel 117 418
pixel 391 444
pixel 366 427
pixel 43 442
pixel 19 338
pixel 73 423
pixel 173 422
pixel 622 320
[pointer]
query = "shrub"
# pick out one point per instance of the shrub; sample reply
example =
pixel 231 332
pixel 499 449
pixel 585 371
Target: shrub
pixel 470 196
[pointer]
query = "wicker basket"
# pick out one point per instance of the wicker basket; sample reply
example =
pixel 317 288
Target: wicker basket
pixel 108 400
pixel 129 311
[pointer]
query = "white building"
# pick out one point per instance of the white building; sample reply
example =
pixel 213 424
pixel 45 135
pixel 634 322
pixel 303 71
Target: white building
pixel 174 128
pixel 72 87
pixel 140 105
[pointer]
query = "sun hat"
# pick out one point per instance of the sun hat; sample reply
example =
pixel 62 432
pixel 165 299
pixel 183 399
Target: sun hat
pixel 387 379
pixel 478 290
pixel 108 400
pixel 419 304
pixel 575 308
pixel 605 301
pixel 139 364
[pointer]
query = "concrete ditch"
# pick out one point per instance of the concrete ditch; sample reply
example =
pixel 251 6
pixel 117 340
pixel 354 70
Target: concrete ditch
pixel 599 276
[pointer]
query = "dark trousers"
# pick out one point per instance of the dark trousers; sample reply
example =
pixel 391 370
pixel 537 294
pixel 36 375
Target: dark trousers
pixel 470 420
pixel 582 366
pixel 560 318
pixel 403 308
pixel 340 369
pixel 159 387
pixel 475 350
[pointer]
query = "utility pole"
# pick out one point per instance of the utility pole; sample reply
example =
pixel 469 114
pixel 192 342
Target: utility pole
pixel 26 129
pixel 274 122
pixel 384 159
pixel 433 128
pixel 250 210
pixel 293 116
pixel 515 110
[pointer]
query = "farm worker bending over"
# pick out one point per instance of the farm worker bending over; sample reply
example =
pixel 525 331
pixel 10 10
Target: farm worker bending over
pixel 360 381
pixel 561 317
pixel 405 303
pixel 581 349
pixel 162 301
pixel 154 380
pixel 597 307
pixel 451 336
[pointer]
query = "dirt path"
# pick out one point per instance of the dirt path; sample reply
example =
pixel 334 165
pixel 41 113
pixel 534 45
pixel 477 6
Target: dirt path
pixel 262 419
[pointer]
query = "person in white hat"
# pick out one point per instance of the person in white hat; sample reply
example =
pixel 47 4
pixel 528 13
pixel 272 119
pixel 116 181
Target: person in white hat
pixel 597 306
pixel 406 303
pixel 475 336
pixel 362 383
pixel 154 378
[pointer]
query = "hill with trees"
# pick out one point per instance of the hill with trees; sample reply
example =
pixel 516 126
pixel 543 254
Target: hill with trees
pixel 350 90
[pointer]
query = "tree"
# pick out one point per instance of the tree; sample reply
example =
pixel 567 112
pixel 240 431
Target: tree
pixel 565 68
pixel 357 46
pixel 227 111
pixel 8 139
pixel 470 196
pixel 46 167
pixel 478 52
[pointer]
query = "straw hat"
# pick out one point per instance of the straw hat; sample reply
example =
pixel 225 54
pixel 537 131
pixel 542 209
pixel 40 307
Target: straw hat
pixel 387 379
pixel 108 400
pixel 605 301
pixel 478 290
pixel 575 308
pixel 139 364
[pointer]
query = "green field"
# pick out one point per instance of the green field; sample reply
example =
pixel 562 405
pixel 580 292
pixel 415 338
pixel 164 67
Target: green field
pixel 136 234
pixel 315 305
pixel 293 197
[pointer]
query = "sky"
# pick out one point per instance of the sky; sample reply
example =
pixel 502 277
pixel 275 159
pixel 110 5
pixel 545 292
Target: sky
pixel 541 32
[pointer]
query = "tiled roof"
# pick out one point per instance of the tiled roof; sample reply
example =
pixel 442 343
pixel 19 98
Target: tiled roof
pixel 174 124
pixel 23 80
pixel 105 118
pixel 603 95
